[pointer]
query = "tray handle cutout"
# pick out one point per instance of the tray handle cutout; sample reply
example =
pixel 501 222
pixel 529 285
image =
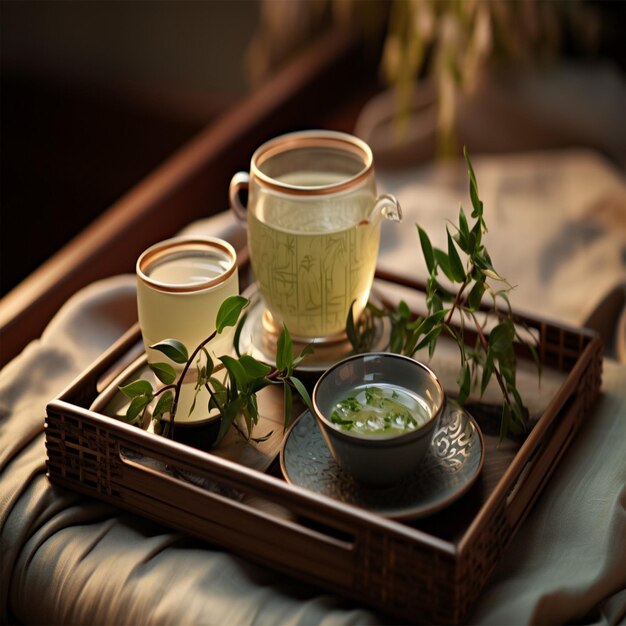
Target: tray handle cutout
pixel 274 528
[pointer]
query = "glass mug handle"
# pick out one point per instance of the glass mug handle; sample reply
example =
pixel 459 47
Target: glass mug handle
pixel 238 182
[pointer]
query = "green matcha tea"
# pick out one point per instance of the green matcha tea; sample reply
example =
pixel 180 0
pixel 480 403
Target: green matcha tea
pixel 382 410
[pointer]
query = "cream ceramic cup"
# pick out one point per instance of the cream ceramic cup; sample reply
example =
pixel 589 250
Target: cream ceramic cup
pixel 181 284
pixel 313 220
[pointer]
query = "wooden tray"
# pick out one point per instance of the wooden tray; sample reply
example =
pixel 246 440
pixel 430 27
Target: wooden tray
pixel 428 570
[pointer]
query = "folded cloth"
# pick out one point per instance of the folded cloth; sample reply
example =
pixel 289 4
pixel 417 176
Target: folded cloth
pixel 567 563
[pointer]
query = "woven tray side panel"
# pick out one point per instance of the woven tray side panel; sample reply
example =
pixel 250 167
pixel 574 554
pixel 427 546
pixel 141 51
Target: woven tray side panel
pixel 417 581
pixel 82 453
pixel 478 562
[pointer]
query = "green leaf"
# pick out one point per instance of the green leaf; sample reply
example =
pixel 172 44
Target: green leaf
pixel 231 410
pixel 237 335
pixel 463 237
pixel 218 385
pixel 219 394
pixel 164 372
pixel 396 338
pixel 256 384
pixel 287 402
pixel 464 381
pixel 518 406
pixel 476 236
pixel 302 392
pixel 518 423
pixel 476 203
pixel 505 424
pixel 236 371
pixel 375 311
pixel 403 310
pixel 430 336
pixel 254 368
pixel 427 250
pixel 435 303
pixel 476 295
pixel 172 349
pixel 504 296
pixel 463 226
pixel 208 361
pixel 306 351
pixel 253 408
pixel 164 405
pixel 410 342
pixel 262 438
pixel 443 262
pixel 487 372
pixel 284 351
pixel 350 327
pixel 429 322
pixel 193 403
pixel 202 378
pixel 507 368
pixel 137 388
pixel 456 266
pixel 491 273
pixel 137 405
pixel 483 263
pixel 435 293
pixel 250 412
pixel 501 338
pixel 229 312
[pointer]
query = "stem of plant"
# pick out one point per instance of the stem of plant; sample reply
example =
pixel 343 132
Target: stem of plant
pixel 179 382
pixel 166 388
pixel 457 301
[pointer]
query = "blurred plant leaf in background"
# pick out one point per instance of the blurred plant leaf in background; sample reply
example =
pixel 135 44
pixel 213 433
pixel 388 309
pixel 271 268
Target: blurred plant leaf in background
pixel 453 44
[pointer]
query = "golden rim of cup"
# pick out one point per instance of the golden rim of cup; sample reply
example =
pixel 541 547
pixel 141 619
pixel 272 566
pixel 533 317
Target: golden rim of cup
pixel 183 245
pixel 312 139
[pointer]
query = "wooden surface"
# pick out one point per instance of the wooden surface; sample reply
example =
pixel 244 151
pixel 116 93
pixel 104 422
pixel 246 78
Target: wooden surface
pixel 192 184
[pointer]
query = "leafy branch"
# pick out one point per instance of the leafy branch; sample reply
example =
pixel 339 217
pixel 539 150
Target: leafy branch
pixel 233 397
pixel 492 353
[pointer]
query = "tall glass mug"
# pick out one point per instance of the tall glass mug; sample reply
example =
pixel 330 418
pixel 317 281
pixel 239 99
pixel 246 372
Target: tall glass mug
pixel 181 284
pixel 313 221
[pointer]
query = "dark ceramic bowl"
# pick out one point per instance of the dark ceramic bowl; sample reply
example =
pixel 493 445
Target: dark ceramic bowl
pixel 372 459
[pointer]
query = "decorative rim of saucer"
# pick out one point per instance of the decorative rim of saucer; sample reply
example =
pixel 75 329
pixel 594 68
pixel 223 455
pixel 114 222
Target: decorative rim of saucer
pixel 451 467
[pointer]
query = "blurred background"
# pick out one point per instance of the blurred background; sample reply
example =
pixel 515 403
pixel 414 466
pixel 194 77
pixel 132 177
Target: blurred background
pixel 96 94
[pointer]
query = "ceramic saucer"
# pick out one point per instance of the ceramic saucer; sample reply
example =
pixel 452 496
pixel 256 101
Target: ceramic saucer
pixel 450 468
pixel 258 339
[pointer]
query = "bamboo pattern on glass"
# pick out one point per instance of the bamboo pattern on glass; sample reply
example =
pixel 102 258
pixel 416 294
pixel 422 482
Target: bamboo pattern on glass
pixel 309 280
